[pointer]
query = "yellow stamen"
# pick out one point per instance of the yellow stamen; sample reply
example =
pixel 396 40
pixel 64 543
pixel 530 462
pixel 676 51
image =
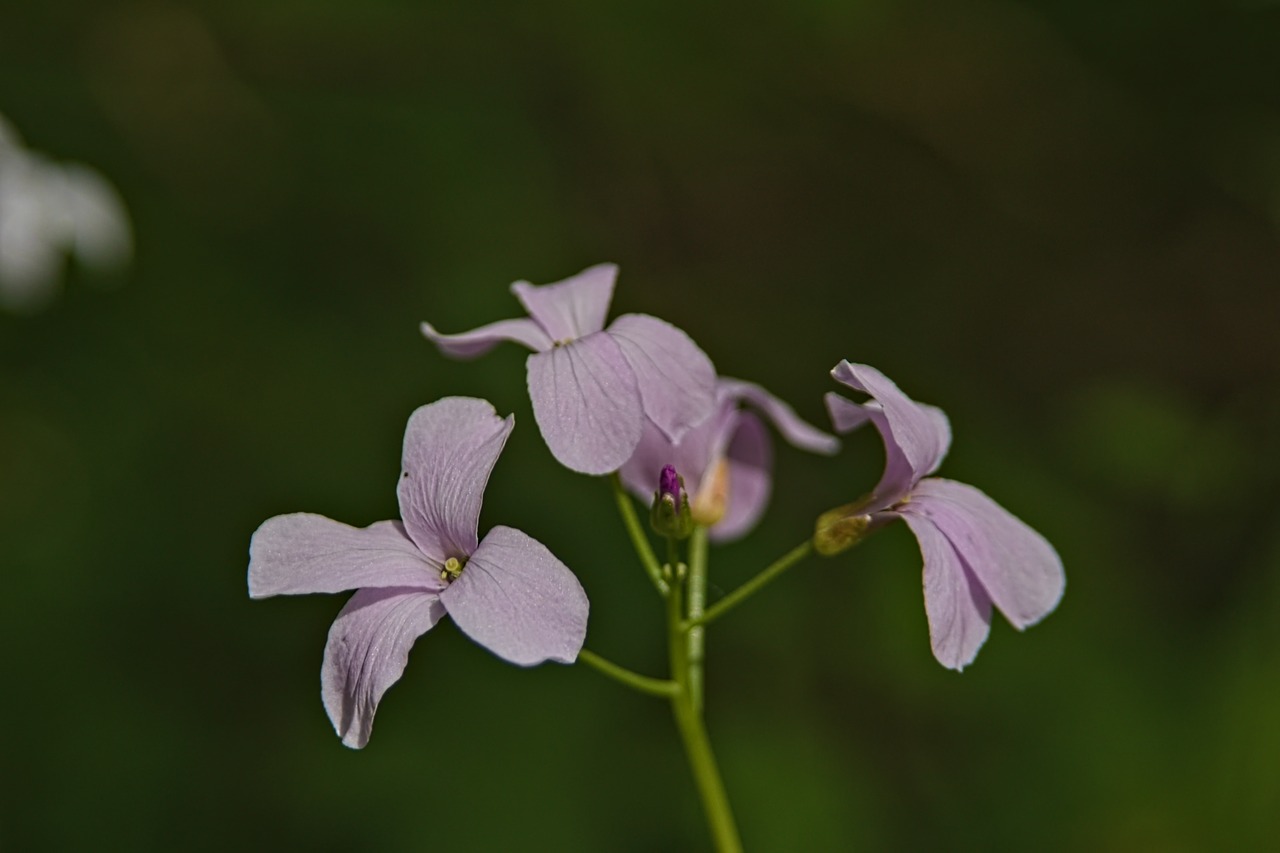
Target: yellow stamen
pixel 452 569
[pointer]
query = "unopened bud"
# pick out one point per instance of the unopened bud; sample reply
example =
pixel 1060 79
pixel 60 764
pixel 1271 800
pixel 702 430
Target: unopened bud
pixel 840 529
pixel 669 483
pixel 669 515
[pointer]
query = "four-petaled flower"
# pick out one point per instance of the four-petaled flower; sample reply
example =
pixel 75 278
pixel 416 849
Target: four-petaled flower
pixel 975 553
pixel 591 387
pixel 507 592
pixel 727 460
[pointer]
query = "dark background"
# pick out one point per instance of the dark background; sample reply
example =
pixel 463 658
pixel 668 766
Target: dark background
pixel 1056 220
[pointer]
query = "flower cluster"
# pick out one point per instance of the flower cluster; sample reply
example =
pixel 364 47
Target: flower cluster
pixel 637 398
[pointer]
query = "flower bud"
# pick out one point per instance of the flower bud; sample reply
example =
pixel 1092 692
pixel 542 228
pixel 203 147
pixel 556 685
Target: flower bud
pixel 712 499
pixel 669 516
pixel 840 529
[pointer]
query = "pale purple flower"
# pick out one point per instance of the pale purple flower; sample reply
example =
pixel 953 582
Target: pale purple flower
pixel 49 210
pixel 727 460
pixel 975 553
pixel 593 387
pixel 507 592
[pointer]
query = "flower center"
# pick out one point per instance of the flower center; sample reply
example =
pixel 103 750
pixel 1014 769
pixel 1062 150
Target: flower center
pixel 452 569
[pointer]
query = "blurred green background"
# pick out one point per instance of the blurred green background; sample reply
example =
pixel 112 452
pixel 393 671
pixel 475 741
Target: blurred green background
pixel 1056 220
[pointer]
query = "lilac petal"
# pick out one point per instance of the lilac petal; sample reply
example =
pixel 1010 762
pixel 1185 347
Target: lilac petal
pixel 479 341
pixel 303 553
pixel 958 608
pixel 1019 569
pixel 920 432
pixel 691 457
pixel 750 459
pixel 846 416
pixel 898 477
pixel 572 308
pixel 676 380
pixel 640 472
pixel 518 601
pixel 367 651
pixel 450 446
pixel 798 432
pixel 586 404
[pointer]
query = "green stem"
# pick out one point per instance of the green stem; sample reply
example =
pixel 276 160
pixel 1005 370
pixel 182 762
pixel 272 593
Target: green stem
pixel 638 538
pixel 697 602
pixel 653 686
pixel 693 734
pixel 745 591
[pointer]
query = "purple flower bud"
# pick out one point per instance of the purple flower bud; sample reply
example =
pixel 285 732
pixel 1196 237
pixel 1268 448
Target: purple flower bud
pixel 669 516
pixel 669 484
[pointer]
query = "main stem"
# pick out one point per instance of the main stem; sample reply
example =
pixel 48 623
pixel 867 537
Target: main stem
pixel 702 762
pixel 697 602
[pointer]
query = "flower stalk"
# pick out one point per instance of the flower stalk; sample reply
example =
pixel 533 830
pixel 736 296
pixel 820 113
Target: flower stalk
pixel 693 733
pixel 697 600
pixel 685 654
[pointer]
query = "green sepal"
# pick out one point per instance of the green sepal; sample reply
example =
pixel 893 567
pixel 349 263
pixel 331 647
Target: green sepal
pixel 840 529
pixel 667 519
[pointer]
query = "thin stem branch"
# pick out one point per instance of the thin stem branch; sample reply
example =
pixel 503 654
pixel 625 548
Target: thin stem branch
pixel 752 586
pixel 663 687
pixel 697 600
pixel 638 538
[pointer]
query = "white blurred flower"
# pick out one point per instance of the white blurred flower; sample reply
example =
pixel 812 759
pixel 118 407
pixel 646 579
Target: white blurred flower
pixel 47 211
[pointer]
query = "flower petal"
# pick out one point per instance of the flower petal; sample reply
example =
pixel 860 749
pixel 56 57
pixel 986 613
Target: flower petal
pixel 640 472
pixel 676 379
pixel 750 458
pixel 958 608
pixel 479 341
pixel 692 456
pixel 1019 569
pixel 303 553
pixel 846 416
pixel 572 308
pixel 367 651
pixel 921 432
pixel 798 432
pixel 586 404
pixel 898 477
pixel 518 601
pixel 450 446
